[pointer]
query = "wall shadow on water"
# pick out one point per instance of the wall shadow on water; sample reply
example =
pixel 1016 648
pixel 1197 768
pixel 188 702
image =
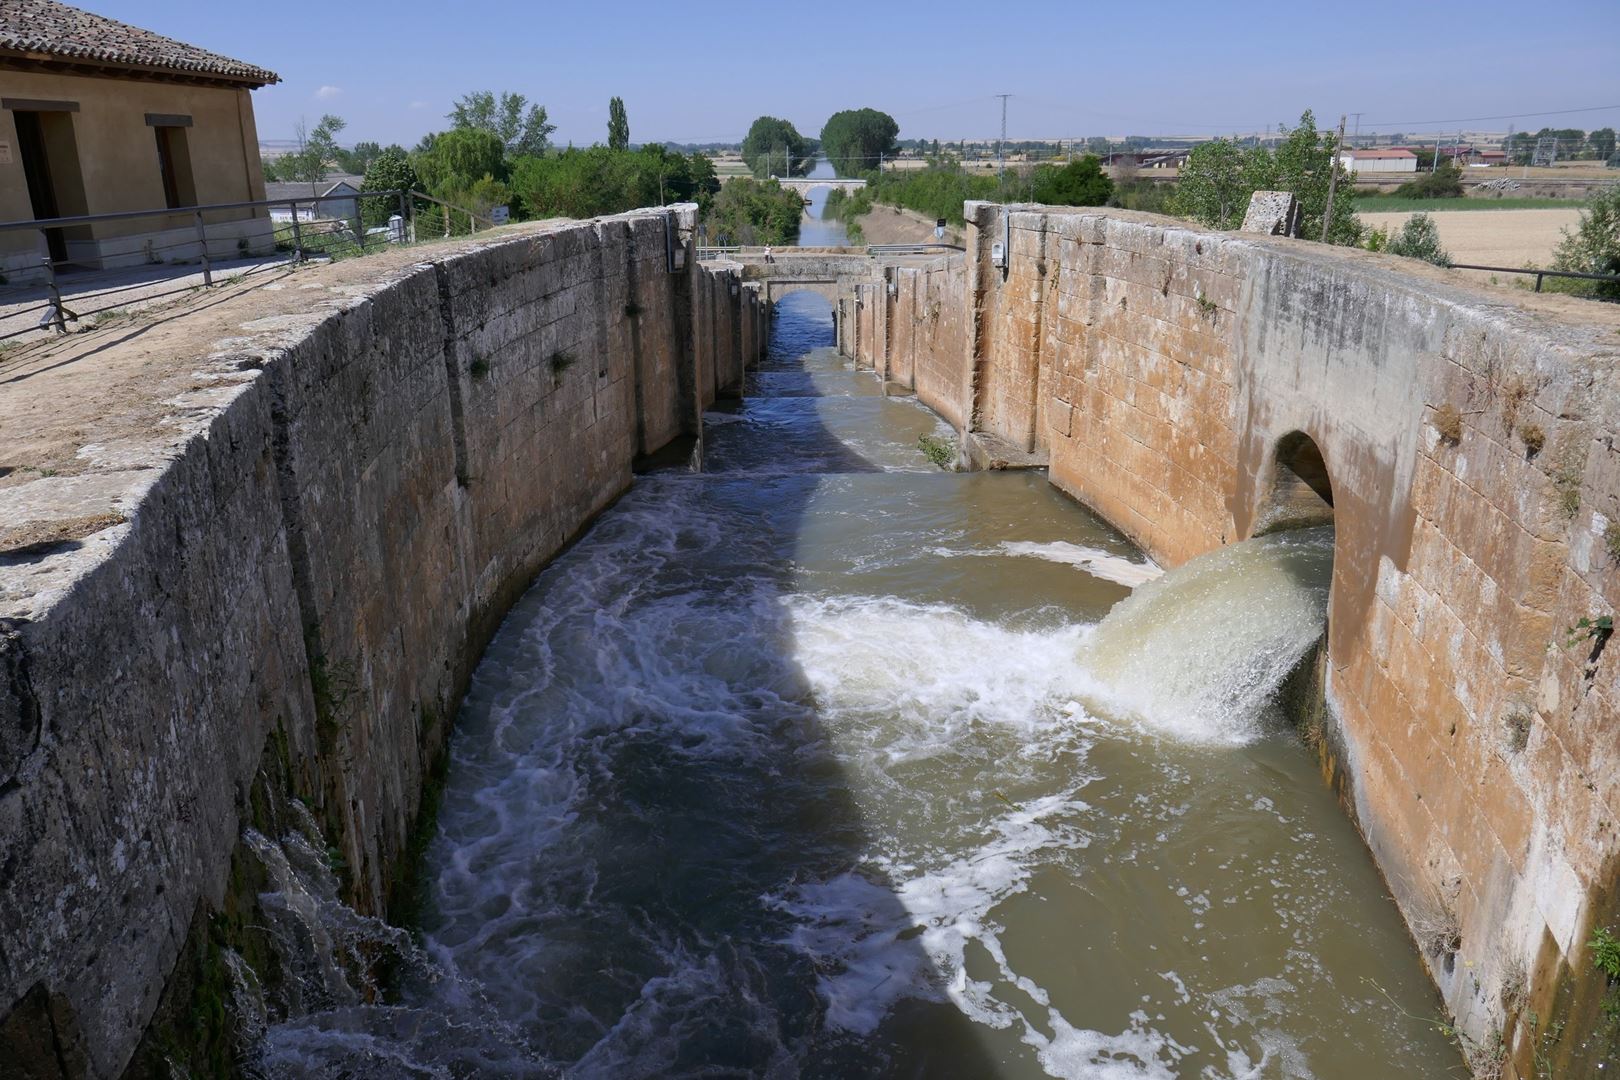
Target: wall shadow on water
pixel 640 781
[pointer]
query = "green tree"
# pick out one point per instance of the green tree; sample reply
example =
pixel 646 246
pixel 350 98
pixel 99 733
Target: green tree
pixel 456 160
pixel 357 160
pixel 1594 246
pixel 774 145
pixel 754 212
pixel 618 125
pixel 390 170
pixel 1080 183
pixel 1602 143
pixel 316 155
pixel 522 128
pixel 1214 186
pixel 599 180
pixel 856 140
pixel 1304 163
pixel 1419 238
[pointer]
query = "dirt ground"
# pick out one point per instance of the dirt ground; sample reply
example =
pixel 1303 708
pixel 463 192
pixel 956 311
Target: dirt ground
pixel 75 404
pixel 1492 237
pixel 892 225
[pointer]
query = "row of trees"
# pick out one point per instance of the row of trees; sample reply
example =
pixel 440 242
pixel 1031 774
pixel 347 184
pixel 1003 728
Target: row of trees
pixel 498 152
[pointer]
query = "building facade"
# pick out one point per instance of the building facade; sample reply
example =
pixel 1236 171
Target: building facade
pixel 99 117
pixel 1378 161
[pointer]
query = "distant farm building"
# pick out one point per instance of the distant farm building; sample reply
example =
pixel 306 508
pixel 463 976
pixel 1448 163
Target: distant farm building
pixel 1378 161
pixel 339 198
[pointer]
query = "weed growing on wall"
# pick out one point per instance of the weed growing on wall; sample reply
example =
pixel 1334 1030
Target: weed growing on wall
pixel 940 451
pixel 1568 484
pixel 1611 541
pixel 1448 423
pixel 561 361
pixel 1605 946
pixel 1516 728
pixel 1533 437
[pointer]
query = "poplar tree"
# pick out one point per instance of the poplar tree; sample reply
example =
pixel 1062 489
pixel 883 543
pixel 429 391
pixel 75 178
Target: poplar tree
pixel 618 125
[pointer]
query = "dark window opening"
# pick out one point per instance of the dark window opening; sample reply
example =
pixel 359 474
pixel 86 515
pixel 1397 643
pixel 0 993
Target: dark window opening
pixel 174 162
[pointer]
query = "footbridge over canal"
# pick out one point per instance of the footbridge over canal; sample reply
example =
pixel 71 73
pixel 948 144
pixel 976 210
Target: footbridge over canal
pixel 805 184
pixel 827 271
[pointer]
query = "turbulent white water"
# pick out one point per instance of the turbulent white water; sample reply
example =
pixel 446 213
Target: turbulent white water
pixel 764 778
pixel 1197 653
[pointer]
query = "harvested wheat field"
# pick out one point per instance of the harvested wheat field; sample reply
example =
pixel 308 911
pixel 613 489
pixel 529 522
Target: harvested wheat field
pixel 1492 237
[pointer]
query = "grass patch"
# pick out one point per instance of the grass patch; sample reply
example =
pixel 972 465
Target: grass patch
pixel 1374 204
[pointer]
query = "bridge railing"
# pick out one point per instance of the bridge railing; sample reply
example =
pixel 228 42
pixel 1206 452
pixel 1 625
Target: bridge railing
pixel 716 252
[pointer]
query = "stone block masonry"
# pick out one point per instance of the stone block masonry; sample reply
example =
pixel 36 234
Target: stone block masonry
pixel 1468 442
pixel 319 541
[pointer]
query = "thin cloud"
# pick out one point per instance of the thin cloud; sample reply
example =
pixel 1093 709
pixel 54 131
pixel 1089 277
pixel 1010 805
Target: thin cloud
pixel 327 93
pixel 419 105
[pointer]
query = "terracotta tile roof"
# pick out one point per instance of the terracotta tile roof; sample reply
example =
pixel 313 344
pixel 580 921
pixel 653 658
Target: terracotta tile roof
pixel 1380 153
pixel 67 33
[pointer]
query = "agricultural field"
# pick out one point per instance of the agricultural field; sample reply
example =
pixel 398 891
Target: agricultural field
pixel 1489 237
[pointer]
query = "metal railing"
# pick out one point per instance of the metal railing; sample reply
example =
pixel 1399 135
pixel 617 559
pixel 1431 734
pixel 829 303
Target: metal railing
pixel 869 249
pixel 911 249
pixel 1539 273
pixel 300 236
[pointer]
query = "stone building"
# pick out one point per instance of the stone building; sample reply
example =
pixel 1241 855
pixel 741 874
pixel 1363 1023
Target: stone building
pixel 99 117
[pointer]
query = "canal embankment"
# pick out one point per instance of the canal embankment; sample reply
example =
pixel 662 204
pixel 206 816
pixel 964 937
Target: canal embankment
pixel 263 570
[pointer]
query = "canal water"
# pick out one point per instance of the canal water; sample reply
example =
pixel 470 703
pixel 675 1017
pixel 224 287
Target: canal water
pixel 824 762
pixel 814 229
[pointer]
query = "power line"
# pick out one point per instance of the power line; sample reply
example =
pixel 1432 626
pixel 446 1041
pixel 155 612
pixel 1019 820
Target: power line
pixel 1477 119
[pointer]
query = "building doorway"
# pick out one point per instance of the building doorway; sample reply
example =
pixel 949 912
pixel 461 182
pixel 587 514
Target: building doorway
pixel 50 159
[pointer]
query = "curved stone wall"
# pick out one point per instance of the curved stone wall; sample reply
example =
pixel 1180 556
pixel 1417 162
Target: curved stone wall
pixel 1470 440
pixel 319 541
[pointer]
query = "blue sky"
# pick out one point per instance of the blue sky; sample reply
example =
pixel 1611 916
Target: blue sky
pixel 703 71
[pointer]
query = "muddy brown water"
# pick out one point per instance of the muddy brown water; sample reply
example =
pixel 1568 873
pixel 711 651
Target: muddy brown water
pixel 817 763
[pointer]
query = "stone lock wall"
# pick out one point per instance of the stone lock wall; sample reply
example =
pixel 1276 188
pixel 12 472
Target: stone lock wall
pixel 1470 444
pixel 313 564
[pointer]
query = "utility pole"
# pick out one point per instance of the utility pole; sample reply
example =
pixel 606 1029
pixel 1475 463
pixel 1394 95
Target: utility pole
pixel 1333 182
pixel 1001 147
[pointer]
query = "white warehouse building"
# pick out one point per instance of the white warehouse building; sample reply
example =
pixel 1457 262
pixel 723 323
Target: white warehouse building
pixel 1378 161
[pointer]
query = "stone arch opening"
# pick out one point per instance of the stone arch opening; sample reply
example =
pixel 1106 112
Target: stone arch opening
pixel 1301 491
